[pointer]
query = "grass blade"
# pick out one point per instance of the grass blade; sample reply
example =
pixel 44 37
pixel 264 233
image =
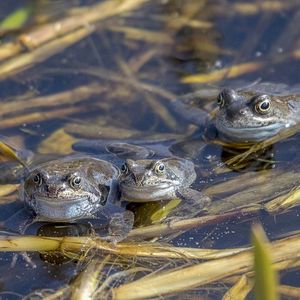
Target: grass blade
pixel 265 286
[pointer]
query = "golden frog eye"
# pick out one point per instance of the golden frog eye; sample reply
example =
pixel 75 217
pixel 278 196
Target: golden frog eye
pixel 263 106
pixel 37 179
pixel 221 100
pixel 159 168
pixel 75 182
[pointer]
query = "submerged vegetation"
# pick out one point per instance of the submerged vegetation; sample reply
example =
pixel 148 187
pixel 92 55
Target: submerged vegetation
pixel 112 70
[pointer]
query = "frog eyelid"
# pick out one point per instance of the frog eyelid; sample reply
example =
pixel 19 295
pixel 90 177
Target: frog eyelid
pixel 261 98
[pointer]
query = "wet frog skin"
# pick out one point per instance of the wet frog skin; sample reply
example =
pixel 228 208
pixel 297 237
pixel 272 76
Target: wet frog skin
pixel 73 188
pixel 164 179
pixel 68 189
pixel 154 180
pixel 255 114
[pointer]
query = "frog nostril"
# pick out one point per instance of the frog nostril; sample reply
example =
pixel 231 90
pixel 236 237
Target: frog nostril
pixel 51 190
pixel 242 111
pixel 138 178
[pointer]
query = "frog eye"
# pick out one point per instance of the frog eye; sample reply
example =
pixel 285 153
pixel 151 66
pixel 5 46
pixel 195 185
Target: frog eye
pixel 159 168
pixel 124 168
pixel 37 179
pixel 75 182
pixel 221 100
pixel 263 106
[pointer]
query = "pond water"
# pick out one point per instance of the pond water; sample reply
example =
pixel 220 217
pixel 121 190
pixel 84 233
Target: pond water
pixel 114 76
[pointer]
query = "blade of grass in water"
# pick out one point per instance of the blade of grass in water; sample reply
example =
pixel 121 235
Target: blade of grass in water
pixel 265 285
pixel 86 282
pixel 16 19
pixel 240 290
pixel 8 151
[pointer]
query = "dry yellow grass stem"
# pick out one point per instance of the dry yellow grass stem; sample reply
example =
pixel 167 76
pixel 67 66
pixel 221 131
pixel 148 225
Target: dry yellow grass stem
pixel 230 72
pixel 41 116
pixel 86 283
pixel 153 102
pixel 260 6
pixel 50 39
pixel 62 293
pixel 231 262
pixel 260 189
pixel 6 189
pixel 10 49
pixel 182 21
pixel 58 142
pixel 143 34
pixel 242 182
pixel 107 74
pixel 71 97
pixel 103 290
pixel 8 199
pixel 77 244
pixel 283 265
pixel 289 291
pixel 180 225
pixel 182 279
pixel 10 152
pixel 26 60
pixel 84 16
pixel 284 202
pixel 296 53
pixel 240 289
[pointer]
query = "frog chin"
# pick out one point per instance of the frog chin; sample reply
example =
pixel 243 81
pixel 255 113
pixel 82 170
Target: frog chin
pixel 149 193
pixel 249 134
pixel 62 210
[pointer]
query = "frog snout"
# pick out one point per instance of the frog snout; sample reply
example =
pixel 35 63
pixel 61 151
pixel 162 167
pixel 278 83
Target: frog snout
pixel 235 110
pixel 138 179
pixel 52 191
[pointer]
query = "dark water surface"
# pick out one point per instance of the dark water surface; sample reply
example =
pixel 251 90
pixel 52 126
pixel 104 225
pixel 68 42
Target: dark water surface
pixel 133 65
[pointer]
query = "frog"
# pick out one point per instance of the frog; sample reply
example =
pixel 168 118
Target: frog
pixel 150 172
pixel 255 115
pixel 244 115
pixel 72 188
pixel 152 180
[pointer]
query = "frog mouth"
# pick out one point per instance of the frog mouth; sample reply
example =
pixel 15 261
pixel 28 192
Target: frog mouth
pixel 255 133
pixel 149 193
pixel 61 210
pixel 58 201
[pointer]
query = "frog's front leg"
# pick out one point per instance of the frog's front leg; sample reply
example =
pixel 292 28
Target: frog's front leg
pixel 188 108
pixel 19 222
pixel 120 222
pixel 193 203
pixel 120 148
